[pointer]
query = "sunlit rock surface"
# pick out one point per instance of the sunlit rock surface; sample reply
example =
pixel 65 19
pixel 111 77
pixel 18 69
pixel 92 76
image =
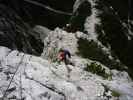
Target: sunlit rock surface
pixel 43 78
pixel 27 77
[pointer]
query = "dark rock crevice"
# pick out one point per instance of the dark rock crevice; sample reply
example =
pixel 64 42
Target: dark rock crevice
pixel 76 22
pixel 16 34
pixel 115 34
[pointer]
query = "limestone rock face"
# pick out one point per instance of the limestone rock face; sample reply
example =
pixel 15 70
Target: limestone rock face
pixel 29 77
pixel 43 27
pixel 58 39
pixel 38 79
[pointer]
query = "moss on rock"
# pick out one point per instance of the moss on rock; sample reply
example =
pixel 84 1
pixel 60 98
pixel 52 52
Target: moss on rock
pixel 98 69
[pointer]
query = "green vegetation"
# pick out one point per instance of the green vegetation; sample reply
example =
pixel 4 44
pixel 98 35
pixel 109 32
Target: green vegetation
pixel 98 69
pixel 91 50
pixel 115 94
pixel 78 18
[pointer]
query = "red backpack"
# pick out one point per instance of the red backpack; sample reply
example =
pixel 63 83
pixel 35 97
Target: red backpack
pixel 61 55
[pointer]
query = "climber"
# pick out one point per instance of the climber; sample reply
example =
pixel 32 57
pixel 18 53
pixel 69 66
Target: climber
pixel 67 27
pixel 64 55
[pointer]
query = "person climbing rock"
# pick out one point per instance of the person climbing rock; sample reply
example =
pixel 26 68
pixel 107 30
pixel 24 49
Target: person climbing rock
pixel 64 55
